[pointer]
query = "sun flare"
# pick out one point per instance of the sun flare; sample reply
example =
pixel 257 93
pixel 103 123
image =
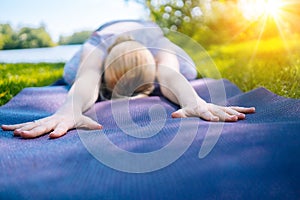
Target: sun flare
pixel 254 9
pixel 271 17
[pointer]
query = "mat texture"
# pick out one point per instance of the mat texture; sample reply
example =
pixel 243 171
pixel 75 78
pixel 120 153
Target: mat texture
pixel 256 158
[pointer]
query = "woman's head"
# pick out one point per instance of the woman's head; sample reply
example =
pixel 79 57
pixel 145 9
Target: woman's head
pixel 129 69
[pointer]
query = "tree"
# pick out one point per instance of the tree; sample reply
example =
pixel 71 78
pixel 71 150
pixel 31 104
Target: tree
pixel 24 38
pixel 1 41
pixel 207 21
pixel 212 22
pixel 34 38
pixel 7 37
pixel 75 38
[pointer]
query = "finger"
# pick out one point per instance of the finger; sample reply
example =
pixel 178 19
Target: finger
pixel 223 116
pixel 88 123
pixel 59 131
pixel 35 132
pixel 243 109
pixel 231 111
pixel 178 114
pixel 13 127
pixel 209 116
pixel 29 126
pixel 37 127
pixel 204 115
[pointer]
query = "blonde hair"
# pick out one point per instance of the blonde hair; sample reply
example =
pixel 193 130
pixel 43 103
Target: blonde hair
pixel 129 69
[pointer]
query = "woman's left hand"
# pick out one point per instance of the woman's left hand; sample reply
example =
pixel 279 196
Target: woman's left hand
pixel 212 112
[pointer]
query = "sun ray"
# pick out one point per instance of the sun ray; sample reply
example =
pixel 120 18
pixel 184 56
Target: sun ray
pixel 273 7
pixel 264 20
pixel 281 16
pixel 253 9
pixel 280 26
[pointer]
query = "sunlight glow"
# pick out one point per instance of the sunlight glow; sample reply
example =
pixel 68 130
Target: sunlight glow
pixel 265 11
pixel 254 9
pixel 273 7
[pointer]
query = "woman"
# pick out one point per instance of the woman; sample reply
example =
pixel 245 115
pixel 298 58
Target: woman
pixel 126 59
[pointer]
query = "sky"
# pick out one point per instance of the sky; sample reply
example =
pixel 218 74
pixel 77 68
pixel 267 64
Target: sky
pixel 64 17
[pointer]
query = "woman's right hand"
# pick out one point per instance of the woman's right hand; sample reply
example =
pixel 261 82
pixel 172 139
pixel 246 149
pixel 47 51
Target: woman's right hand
pixel 56 125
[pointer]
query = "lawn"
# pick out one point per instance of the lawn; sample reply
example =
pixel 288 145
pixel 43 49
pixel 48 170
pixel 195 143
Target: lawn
pixel 15 77
pixel 274 65
pixel 271 64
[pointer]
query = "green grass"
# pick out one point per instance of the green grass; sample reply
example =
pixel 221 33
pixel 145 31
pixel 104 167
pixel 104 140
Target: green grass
pixel 275 66
pixel 271 63
pixel 15 77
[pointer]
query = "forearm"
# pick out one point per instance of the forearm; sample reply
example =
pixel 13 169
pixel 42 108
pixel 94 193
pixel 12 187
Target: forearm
pixel 173 84
pixel 176 88
pixel 85 90
pixel 83 93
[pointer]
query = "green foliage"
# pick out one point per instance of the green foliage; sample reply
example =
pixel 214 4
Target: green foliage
pixel 76 38
pixel 15 77
pixel 7 36
pixel 272 64
pixel 1 41
pixel 207 22
pixel 214 22
pixel 34 38
pixel 24 38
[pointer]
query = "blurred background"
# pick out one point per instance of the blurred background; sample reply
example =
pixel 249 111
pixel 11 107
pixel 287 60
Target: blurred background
pixel 32 23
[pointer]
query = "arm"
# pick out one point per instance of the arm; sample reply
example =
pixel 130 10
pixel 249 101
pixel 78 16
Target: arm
pixel 177 89
pixel 79 99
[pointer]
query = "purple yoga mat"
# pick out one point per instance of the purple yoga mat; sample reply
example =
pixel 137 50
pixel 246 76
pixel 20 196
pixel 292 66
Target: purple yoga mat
pixel 256 158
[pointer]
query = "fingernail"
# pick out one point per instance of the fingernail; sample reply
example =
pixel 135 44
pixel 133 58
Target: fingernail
pixel 26 132
pixel 52 134
pixel 215 119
